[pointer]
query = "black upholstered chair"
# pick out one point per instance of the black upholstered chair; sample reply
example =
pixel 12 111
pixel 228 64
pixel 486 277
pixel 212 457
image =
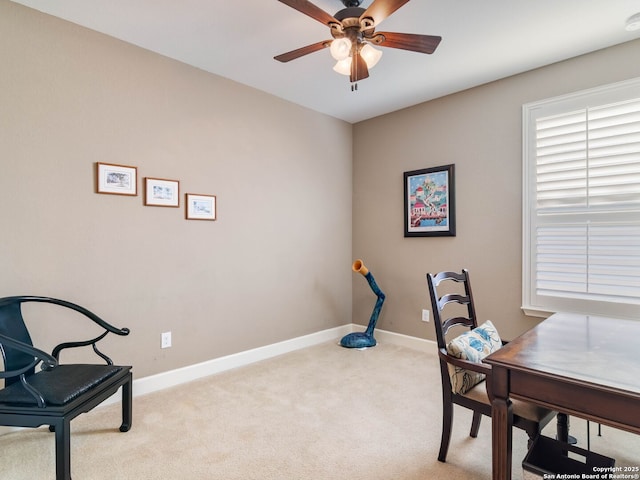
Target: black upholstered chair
pixel 456 309
pixel 54 394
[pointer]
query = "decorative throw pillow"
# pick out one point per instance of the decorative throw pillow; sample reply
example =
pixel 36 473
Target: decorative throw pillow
pixel 473 346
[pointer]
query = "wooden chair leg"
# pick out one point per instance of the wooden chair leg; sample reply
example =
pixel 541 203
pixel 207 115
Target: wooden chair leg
pixel 63 449
pixel 475 424
pixel 447 422
pixel 127 402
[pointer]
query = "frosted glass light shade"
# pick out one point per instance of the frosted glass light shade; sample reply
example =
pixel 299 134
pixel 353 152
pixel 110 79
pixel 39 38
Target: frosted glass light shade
pixel 340 48
pixel 370 55
pixel 343 67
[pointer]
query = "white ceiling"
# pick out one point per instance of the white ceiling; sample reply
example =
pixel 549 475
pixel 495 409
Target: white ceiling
pixel 482 41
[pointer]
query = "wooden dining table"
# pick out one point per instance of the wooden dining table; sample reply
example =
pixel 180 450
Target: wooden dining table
pixel 581 365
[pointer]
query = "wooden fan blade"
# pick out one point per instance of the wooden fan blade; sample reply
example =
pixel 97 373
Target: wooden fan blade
pixel 359 70
pixel 293 54
pixel 407 41
pixel 381 9
pixel 308 8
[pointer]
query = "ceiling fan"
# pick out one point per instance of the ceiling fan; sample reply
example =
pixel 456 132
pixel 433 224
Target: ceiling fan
pixel 354 32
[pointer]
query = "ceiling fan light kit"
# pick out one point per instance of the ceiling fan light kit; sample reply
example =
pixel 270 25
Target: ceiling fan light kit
pixel 370 55
pixel 353 32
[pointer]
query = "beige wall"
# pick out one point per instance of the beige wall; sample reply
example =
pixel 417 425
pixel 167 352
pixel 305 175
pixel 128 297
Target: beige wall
pixel 478 130
pixel 276 264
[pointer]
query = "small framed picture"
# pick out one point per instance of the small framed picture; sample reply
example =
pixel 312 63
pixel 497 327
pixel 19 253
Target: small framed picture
pixel 160 192
pixel 116 179
pixel 429 202
pixel 200 207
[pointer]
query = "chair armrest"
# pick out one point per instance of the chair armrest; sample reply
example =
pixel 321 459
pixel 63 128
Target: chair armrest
pixel 108 328
pixel 48 361
pixel 95 318
pixel 465 364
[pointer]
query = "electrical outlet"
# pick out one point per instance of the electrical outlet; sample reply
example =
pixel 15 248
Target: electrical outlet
pixel 165 340
pixel 425 315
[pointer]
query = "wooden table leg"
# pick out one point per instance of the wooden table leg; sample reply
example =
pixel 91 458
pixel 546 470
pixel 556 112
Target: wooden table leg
pixel 501 422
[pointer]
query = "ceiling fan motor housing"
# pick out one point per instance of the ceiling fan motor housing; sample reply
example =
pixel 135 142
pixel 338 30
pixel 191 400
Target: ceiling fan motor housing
pixel 350 13
pixel 351 26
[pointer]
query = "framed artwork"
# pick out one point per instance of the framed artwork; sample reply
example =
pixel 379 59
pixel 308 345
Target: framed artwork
pixel 429 202
pixel 200 207
pixel 160 192
pixel 116 179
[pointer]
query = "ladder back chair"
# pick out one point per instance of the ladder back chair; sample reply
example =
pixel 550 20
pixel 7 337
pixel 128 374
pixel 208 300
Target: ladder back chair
pixel 462 371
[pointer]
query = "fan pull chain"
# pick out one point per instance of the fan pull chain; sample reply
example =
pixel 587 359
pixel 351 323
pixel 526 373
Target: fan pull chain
pixel 354 87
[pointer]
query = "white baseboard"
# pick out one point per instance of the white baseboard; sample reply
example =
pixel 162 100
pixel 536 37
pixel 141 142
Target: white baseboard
pixel 171 378
pixel 414 343
pixel 163 380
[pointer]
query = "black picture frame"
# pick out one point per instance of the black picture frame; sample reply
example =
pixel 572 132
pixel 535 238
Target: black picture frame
pixel 429 202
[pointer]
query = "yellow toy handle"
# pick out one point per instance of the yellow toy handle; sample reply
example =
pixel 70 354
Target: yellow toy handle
pixel 358 267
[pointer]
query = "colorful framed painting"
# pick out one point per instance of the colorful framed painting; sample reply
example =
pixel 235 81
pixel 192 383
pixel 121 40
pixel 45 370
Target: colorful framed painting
pixel 429 202
pixel 116 179
pixel 160 192
pixel 200 207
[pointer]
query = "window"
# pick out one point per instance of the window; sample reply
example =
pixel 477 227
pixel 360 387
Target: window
pixel 581 204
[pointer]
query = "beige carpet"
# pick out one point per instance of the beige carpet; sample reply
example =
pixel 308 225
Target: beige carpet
pixel 325 412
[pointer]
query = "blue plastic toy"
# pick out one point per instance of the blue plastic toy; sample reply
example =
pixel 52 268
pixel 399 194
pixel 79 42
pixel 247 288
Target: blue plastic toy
pixel 365 339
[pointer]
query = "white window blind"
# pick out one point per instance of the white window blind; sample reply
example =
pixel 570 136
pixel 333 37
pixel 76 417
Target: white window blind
pixel 582 202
